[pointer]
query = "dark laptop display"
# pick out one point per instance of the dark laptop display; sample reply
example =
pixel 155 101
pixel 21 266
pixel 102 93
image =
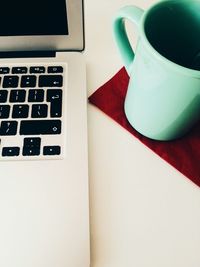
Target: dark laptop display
pixel 35 17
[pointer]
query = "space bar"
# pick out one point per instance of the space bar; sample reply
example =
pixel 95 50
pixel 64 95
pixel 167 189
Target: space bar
pixel 37 127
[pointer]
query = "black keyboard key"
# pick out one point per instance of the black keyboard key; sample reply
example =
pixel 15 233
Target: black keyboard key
pixel 55 69
pixel 3 96
pixel 37 69
pixel 17 96
pixel 37 127
pixel 56 109
pixel 4 111
pixel 36 95
pixel 51 150
pixel 19 70
pixel 33 142
pixel 4 70
pixel 8 128
pixel 39 111
pixel 10 81
pixel 10 151
pixel 20 111
pixel 31 146
pixel 28 81
pixel 31 151
pixel 50 81
pixel 54 95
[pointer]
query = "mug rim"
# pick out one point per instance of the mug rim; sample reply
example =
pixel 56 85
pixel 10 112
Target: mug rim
pixel 165 60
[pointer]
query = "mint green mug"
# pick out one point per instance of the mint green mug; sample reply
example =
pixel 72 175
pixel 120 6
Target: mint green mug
pixel 163 97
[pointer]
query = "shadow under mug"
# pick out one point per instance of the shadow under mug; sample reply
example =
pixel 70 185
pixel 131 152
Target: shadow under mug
pixel 163 97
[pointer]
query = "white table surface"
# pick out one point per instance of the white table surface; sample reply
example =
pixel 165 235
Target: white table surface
pixel 144 213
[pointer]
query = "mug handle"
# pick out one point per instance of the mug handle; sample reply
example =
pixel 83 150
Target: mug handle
pixel 133 14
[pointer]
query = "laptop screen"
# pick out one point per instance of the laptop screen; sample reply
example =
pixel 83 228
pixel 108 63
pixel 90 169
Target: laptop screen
pixel 33 17
pixel 41 25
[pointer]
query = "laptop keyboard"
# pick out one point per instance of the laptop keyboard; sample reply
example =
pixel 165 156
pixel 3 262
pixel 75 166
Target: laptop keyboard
pixel 31 111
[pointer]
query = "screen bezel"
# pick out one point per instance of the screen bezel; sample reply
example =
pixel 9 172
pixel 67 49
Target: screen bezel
pixel 74 41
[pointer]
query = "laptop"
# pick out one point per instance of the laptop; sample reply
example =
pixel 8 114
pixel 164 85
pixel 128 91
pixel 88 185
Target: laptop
pixel 44 217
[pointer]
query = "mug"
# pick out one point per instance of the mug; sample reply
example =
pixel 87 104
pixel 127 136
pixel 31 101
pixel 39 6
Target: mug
pixel 163 96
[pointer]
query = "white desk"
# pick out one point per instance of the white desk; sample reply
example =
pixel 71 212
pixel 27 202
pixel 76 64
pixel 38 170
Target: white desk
pixel 143 212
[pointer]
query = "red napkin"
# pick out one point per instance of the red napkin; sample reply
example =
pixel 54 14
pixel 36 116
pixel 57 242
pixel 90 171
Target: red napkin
pixel 183 154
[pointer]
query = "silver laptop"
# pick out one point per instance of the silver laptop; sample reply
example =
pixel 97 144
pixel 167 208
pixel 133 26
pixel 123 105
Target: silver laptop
pixel 43 135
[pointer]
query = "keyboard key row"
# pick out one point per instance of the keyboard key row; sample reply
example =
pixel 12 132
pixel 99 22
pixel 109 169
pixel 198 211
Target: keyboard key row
pixel 31 81
pixel 34 69
pixel 37 111
pixel 34 95
pixel 30 127
pixel 31 147
pixel 31 151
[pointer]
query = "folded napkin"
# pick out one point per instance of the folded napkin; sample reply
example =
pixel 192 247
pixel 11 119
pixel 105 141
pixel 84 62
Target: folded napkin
pixel 183 154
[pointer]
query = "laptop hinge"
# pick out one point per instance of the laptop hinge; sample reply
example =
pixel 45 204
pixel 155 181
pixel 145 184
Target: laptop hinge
pixel 27 54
